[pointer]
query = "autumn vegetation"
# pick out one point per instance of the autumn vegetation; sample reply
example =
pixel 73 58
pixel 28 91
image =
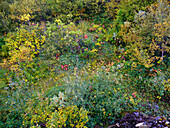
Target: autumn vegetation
pixel 82 63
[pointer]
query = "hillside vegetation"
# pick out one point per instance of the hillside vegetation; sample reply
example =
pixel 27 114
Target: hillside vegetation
pixel 83 63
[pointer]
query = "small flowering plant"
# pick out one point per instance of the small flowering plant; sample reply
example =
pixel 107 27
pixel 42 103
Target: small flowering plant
pixel 64 67
pixel 85 36
pixel 134 100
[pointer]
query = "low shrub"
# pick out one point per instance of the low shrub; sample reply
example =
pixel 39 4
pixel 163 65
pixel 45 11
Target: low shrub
pixel 22 45
pixel 53 112
pixel 13 105
pixel 147 41
pixel 49 9
pixel 71 38
pixel 70 116
pixel 3 49
pixel 125 12
pixel 104 94
pixel 6 24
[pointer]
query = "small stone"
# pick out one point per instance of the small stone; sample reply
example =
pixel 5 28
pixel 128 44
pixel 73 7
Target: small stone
pixel 160 122
pixel 155 122
pixel 142 125
pixel 117 124
pixel 111 126
pixel 158 118
pixel 144 115
pixel 139 124
pixel 167 122
pixel 141 12
pixel 136 114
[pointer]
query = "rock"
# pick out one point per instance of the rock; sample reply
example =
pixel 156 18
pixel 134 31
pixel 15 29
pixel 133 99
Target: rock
pixel 114 126
pixel 117 124
pixel 141 120
pixel 167 122
pixel 142 125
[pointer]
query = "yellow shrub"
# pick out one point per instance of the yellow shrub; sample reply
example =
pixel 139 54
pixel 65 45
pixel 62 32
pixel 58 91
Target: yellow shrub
pixel 23 45
pixel 74 117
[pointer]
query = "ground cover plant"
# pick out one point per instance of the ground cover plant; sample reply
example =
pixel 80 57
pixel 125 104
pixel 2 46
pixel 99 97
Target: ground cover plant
pixel 83 63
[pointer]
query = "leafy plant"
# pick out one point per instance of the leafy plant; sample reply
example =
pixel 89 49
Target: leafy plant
pixel 23 45
pixel 103 94
pixel 148 41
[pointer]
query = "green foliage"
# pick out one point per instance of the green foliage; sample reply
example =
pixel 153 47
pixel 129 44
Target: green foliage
pixel 127 9
pixel 148 40
pixel 104 94
pixel 6 24
pixel 111 8
pixel 61 9
pixel 125 12
pixel 71 73
pixel 152 82
pixel 3 49
pixel 66 115
pixel 53 113
pixel 62 39
pixel 12 106
pixel 70 116
pixel 19 8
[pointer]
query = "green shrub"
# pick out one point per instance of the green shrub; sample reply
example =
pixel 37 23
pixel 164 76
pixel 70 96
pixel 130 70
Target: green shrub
pixel 50 9
pixel 53 112
pixel 82 74
pixel 152 83
pixel 148 40
pixel 104 94
pixel 70 38
pixel 21 8
pixel 70 116
pixel 6 24
pixel 66 115
pixel 127 8
pixel 111 8
pixel 125 12
pixel 3 49
pixel 13 105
